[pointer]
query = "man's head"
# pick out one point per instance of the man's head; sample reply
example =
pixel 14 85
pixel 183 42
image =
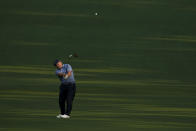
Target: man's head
pixel 58 64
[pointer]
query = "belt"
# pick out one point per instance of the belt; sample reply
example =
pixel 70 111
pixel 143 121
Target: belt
pixel 68 83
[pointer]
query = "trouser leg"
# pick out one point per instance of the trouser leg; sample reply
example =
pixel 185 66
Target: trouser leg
pixel 70 97
pixel 62 99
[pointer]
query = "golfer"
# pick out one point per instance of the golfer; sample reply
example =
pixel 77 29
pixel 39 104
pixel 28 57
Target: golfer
pixel 67 87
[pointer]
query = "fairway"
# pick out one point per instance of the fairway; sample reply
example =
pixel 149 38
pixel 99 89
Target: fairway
pixel 136 69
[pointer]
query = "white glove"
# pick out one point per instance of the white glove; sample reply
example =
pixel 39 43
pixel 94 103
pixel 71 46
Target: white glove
pixel 66 76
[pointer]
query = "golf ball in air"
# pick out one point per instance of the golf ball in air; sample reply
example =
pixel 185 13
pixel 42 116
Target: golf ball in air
pixel 96 13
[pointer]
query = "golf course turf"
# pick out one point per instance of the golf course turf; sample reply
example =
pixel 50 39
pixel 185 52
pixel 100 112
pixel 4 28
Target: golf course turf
pixel 135 70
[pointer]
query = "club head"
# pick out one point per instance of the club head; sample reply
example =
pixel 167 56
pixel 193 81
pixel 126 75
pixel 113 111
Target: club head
pixel 70 56
pixel 75 55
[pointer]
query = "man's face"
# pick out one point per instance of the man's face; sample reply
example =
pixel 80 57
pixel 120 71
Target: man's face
pixel 59 65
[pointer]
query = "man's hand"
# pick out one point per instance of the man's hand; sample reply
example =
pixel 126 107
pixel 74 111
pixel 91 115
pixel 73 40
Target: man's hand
pixel 61 74
pixel 65 75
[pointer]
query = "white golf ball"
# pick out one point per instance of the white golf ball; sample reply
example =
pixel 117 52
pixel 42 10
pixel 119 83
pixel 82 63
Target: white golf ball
pixel 96 13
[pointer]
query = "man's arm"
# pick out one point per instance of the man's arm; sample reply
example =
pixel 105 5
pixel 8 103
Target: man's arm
pixel 69 70
pixel 65 75
pixel 69 73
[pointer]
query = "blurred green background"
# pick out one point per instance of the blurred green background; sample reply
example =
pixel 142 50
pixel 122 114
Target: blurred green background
pixel 135 70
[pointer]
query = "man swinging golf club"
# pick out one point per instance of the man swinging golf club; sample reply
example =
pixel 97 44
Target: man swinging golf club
pixel 67 87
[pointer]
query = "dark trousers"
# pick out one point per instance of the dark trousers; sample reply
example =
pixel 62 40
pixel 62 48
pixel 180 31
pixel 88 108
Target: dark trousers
pixel 66 93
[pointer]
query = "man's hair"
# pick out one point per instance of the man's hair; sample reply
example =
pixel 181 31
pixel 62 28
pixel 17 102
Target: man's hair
pixel 56 61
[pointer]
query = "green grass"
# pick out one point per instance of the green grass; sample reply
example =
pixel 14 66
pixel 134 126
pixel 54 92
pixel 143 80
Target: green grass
pixel 135 71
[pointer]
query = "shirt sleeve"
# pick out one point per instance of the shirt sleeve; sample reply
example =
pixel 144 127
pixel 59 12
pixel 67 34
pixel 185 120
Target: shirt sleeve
pixel 69 68
pixel 56 72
